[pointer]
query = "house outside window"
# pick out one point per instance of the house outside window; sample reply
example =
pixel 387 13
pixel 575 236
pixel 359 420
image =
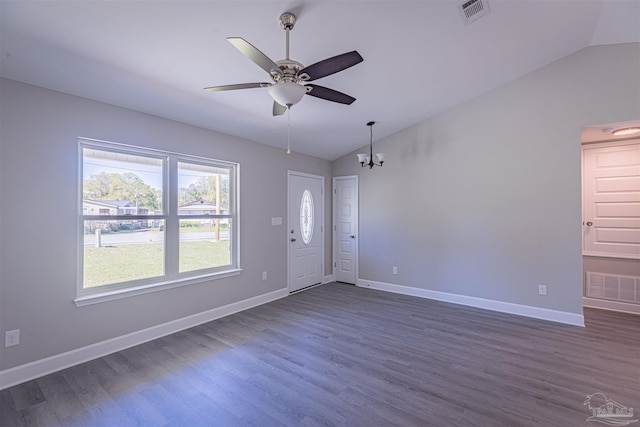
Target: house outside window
pixel 149 218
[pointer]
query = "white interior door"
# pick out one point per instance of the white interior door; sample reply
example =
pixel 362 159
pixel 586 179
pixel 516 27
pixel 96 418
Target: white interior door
pixel 345 229
pixel 305 230
pixel 611 198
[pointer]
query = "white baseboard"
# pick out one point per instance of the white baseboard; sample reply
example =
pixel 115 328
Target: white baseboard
pixel 328 279
pixel 504 307
pixel 611 305
pixel 38 368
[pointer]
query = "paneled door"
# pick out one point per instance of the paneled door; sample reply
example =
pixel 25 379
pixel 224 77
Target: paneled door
pixel 345 229
pixel 611 198
pixel 305 230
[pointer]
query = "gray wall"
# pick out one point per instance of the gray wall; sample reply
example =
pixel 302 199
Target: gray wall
pixel 39 192
pixel 484 200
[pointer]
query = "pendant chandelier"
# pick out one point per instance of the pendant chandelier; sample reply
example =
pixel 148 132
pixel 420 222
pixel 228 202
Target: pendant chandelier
pixel 367 159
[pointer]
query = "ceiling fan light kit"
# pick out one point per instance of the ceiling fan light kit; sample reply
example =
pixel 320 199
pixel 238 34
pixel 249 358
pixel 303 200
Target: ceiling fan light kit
pixel 287 93
pixel 288 75
pixel 367 159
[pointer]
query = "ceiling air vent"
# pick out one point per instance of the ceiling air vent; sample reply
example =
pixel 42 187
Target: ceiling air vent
pixel 472 10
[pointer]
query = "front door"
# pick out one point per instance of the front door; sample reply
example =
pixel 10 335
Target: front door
pixel 305 230
pixel 345 229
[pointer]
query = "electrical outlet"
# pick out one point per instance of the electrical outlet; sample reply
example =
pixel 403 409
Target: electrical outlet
pixel 264 275
pixel 395 270
pixel 12 338
pixel 542 289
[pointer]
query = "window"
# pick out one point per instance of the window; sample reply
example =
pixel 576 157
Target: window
pixel 306 217
pixel 203 210
pixel 151 219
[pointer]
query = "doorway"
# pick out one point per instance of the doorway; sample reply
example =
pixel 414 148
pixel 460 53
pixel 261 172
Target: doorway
pixel 305 234
pixel 611 219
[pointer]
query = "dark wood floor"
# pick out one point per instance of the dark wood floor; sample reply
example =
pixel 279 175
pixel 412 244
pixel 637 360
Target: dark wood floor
pixel 341 355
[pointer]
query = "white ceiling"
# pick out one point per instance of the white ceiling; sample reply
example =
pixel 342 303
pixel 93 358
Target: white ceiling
pixel 419 57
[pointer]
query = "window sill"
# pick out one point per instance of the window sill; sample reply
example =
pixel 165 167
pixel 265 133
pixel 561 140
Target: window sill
pixel 97 298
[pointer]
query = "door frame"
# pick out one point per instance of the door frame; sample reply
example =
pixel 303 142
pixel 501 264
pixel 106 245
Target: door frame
pixel 335 241
pixel 603 304
pixel 291 173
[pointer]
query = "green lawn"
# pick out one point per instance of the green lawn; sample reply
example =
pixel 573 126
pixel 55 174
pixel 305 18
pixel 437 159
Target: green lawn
pixel 124 262
pixel 203 254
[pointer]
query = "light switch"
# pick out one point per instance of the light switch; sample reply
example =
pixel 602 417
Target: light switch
pixel 276 221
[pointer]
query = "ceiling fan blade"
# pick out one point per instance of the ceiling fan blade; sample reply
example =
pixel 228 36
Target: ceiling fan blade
pixel 251 52
pixel 331 66
pixel 330 94
pixel 278 109
pixel 238 86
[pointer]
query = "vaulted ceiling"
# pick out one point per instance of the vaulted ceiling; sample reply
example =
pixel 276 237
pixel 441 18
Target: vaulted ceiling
pixel 420 57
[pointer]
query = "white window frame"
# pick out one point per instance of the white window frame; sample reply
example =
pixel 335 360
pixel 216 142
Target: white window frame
pixel 171 278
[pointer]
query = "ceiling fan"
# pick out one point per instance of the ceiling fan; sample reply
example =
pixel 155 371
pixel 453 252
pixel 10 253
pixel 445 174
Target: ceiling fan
pixel 288 75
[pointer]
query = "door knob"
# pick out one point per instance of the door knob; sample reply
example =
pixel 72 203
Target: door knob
pixel 353 236
pixel 589 223
pixel 293 239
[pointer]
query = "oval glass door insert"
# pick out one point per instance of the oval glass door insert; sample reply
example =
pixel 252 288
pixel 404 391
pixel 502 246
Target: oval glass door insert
pixel 306 217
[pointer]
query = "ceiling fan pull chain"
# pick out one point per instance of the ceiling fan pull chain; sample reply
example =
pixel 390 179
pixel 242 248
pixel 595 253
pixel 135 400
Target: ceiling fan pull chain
pixel 288 130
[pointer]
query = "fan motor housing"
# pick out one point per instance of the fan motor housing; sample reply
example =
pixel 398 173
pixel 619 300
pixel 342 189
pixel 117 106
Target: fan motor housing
pixel 289 69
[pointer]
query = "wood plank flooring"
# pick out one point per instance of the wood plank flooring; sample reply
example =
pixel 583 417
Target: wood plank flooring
pixel 347 356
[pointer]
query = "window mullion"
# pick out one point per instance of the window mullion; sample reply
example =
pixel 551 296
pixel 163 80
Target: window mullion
pixel 173 226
